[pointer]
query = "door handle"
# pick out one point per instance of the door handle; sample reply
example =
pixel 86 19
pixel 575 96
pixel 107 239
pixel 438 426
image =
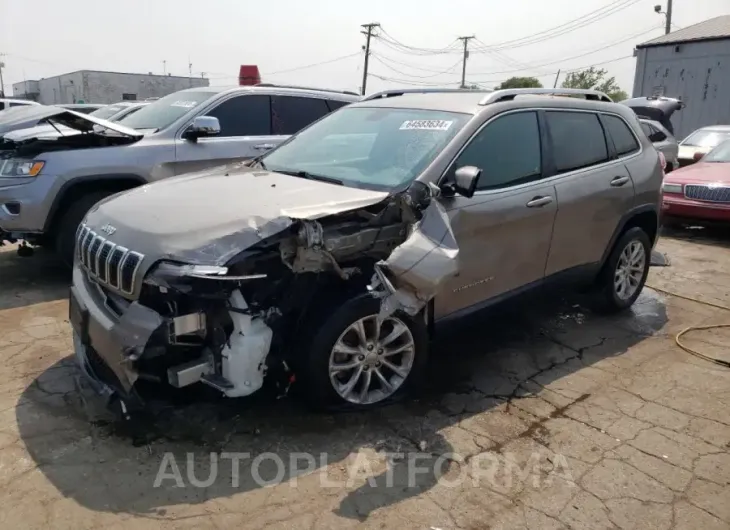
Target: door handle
pixel 263 147
pixel 537 202
pixel 619 181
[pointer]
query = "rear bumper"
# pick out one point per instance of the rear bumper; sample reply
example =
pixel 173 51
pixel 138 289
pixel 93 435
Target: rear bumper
pixel 677 206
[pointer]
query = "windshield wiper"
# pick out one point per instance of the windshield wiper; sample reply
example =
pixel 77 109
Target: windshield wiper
pixel 312 176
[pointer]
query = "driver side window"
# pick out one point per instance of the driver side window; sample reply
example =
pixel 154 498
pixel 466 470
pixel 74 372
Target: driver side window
pixel 507 151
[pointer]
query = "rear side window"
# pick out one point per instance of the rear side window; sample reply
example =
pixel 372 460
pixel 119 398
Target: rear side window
pixel 290 114
pixel 244 116
pixel 657 135
pixel 623 139
pixel 507 150
pixel 577 139
pixel 333 104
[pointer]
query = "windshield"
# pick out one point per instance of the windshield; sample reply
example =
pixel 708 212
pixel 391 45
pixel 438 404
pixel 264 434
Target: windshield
pixel 107 112
pixel 706 138
pixel 375 148
pixel 165 111
pixel 721 153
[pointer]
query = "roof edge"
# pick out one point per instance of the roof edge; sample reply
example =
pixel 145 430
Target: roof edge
pixel 679 41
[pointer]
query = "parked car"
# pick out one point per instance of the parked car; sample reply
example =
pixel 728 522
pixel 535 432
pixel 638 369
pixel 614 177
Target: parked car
pixel 700 193
pixel 44 127
pixel 49 181
pixel 83 108
pixel 118 111
pixel 663 141
pixel 6 103
pixel 25 117
pixel 656 108
pixel 700 142
pixel 333 255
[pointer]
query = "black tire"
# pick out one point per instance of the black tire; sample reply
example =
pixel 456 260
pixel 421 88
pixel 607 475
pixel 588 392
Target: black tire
pixel 314 370
pixel 607 300
pixel 68 223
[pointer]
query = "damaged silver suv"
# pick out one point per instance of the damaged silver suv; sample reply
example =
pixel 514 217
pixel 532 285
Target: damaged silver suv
pixel 329 259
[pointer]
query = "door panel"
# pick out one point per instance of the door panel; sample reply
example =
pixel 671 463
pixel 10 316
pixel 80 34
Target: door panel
pixel 594 192
pixel 212 152
pixel 503 244
pixel 245 133
pixel 590 206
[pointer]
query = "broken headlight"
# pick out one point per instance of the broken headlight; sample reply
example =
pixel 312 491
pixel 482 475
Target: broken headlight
pixel 171 270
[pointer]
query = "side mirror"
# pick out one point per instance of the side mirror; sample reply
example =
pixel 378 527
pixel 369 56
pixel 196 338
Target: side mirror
pixel 697 156
pixel 202 126
pixel 465 180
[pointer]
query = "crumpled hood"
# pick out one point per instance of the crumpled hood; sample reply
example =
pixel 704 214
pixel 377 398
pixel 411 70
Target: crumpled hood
pixel 209 217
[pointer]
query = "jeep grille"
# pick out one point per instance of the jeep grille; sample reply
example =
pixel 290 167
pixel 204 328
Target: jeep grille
pixel 109 264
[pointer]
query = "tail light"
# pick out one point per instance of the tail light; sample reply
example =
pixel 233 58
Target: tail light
pixel 663 161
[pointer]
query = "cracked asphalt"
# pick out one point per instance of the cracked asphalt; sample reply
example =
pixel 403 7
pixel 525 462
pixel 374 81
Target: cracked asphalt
pixel 536 415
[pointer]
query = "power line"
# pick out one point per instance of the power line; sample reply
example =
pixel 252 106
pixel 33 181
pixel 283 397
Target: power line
pixel 562 29
pixel 388 59
pixel 449 70
pixel 336 59
pixel 565 59
pixel 388 38
pixel 567 70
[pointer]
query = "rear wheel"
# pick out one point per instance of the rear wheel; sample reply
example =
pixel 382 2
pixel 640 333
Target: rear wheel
pixel 624 274
pixel 69 221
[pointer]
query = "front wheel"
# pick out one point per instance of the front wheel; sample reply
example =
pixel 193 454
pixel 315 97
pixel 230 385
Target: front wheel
pixel 357 361
pixel 624 274
pixel 69 223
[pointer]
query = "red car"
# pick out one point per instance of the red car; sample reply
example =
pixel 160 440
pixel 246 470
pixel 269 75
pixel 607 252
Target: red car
pixel 699 193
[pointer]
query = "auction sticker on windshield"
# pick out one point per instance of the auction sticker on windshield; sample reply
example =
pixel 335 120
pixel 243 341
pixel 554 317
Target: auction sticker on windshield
pixel 426 125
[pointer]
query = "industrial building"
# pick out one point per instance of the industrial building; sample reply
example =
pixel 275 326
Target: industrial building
pixel 691 64
pixel 93 86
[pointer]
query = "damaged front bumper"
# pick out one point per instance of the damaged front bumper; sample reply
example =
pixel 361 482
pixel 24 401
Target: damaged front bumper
pixel 99 353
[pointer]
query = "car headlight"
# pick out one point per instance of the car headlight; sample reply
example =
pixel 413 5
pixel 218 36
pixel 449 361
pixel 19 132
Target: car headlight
pixel 669 187
pixel 14 167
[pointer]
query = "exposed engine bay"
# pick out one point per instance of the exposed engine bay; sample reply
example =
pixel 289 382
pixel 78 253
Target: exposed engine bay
pixel 228 326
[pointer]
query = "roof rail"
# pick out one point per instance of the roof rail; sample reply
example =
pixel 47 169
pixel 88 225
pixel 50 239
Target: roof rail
pixel 510 93
pixel 275 85
pixel 401 91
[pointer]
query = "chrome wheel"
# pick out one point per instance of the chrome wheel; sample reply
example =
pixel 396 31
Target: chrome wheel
pixel 629 270
pixel 370 361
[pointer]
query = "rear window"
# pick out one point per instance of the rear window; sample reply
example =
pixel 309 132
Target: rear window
pixel 623 139
pixel 577 139
pixel 706 138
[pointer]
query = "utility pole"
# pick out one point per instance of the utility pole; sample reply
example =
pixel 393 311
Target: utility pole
pixel 557 76
pixel 2 84
pixel 465 40
pixel 369 33
pixel 164 67
pixel 190 71
pixel 668 27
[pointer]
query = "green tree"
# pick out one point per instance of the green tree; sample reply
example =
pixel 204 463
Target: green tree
pixel 595 78
pixel 520 82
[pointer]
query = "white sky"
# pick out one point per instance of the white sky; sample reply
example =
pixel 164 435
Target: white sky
pixel 42 38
